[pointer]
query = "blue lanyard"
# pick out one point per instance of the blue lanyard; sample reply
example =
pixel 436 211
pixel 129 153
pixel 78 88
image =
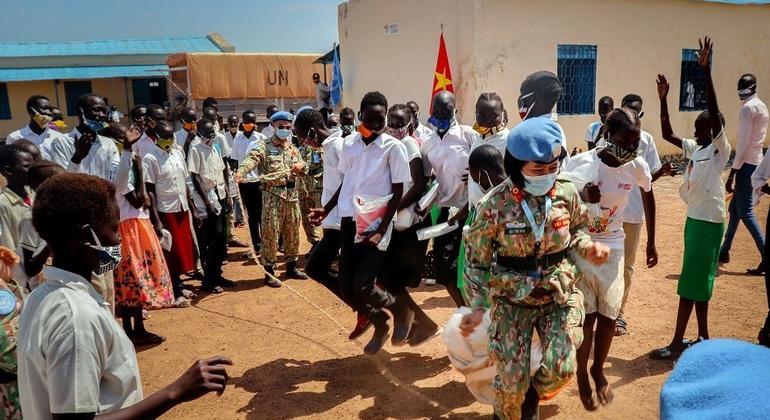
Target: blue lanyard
pixel 538 231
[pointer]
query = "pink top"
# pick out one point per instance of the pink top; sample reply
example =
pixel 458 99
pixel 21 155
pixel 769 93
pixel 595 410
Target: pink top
pixel 752 127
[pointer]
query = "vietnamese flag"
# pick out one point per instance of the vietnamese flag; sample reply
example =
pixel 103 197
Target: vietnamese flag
pixel 442 79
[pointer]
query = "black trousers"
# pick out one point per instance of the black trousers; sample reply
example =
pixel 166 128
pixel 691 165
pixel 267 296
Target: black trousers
pixel 404 260
pixel 212 243
pixel 251 197
pixel 446 249
pixel 359 266
pixel 319 263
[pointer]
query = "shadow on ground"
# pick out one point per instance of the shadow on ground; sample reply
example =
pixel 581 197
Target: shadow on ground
pixel 281 388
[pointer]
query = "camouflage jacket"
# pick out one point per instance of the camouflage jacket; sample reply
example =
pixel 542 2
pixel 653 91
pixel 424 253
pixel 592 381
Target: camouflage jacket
pixel 314 158
pixel 501 229
pixel 273 159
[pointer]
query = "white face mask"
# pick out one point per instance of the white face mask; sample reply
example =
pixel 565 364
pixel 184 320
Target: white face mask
pixel 541 184
pixel 745 93
pixel 489 179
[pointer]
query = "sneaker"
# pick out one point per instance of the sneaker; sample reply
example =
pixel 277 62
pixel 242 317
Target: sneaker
pixel 145 314
pixel 430 282
pixel 188 294
pixel 182 302
pixel 363 323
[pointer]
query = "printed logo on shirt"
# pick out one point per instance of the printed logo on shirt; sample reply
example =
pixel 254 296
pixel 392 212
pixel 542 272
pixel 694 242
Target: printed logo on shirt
pixel 624 186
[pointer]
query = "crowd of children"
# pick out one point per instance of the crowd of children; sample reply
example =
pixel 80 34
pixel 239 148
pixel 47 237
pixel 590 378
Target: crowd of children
pixel 525 235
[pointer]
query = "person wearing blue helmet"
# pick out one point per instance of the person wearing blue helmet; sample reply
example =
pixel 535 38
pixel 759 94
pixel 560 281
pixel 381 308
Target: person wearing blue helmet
pixel 517 255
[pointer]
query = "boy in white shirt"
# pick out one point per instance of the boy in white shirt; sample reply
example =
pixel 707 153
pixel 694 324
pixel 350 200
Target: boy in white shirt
pixel 40 130
pixel 188 118
pixel 704 192
pixel 492 131
pixel 612 172
pixel 604 107
pixel 445 155
pixel 374 165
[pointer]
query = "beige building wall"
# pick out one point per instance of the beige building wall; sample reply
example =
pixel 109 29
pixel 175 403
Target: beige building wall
pixel 18 93
pixel 494 44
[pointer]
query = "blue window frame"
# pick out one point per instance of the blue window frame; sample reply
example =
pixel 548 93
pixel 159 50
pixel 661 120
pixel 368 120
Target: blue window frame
pixel 5 105
pixel 576 68
pixel 692 86
pixel 73 91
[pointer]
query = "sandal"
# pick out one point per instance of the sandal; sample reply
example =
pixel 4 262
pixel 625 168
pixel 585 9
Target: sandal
pixel 148 339
pixel 665 353
pixel 621 327
pixel 214 290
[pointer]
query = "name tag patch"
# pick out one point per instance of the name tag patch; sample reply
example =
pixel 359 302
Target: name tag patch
pixel 561 223
pixel 515 228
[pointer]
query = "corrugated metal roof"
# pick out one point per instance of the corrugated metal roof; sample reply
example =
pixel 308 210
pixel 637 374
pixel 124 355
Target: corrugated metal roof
pixel 109 47
pixel 96 72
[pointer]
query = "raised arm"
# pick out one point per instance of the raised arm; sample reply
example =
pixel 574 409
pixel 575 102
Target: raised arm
pixel 665 122
pixel 704 61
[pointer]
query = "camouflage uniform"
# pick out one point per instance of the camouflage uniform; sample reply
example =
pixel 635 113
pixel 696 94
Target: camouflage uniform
pixel 522 300
pixel 310 189
pixel 10 405
pixel 280 212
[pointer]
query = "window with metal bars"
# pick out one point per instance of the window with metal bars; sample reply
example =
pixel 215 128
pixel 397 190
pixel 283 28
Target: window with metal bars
pixel 692 87
pixel 73 90
pixel 5 105
pixel 576 68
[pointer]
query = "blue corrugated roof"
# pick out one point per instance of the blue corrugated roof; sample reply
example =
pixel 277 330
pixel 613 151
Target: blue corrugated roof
pixel 109 47
pixel 95 72
pixel 738 1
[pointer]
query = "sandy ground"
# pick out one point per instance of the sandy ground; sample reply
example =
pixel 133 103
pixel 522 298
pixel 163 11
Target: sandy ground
pixel 294 361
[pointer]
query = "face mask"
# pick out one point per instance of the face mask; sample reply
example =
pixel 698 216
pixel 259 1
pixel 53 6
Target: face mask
pixel 745 93
pixel 398 133
pixel 206 140
pixel 283 133
pixel 93 125
pixel 119 145
pixel 523 109
pixel 367 133
pixel 622 155
pixel 539 185
pixel 489 179
pixel 109 256
pixel 58 125
pixel 41 120
pixel 348 129
pixel 441 124
pixel 189 126
pixel 165 144
pixel 487 131
pixel 249 127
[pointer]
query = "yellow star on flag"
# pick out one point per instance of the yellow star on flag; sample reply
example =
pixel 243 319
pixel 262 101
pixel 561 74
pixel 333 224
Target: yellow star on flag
pixel 441 81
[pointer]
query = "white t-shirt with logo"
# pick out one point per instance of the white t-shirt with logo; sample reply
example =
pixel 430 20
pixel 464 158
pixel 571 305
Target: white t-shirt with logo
pixel 616 186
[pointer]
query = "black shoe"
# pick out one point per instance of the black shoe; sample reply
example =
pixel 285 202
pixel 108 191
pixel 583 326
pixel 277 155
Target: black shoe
pixel 270 279
pixel 363 323
pixel 226 283
pixel 530 408
pixel 292 272
pixel 403 317
pixel 759 271
pixel 724 258
pixel 380 335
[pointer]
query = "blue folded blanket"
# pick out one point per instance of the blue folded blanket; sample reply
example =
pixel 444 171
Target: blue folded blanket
pixel 719 379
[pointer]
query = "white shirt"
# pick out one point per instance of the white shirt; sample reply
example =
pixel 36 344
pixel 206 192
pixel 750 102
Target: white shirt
pixel 370 171
pixel 752 128
pixel 221 146
pixel 498 141
pixel 332 178
pixel 616 185
pixel 168 172
pixel 592 131
pixel 421 133
pixel 447 159
pixel 408 215
pixel 649 152
pixel 180 137
pixel 102 159
pixel 73 356
pixel 206 162
pixel 702 187
pixel 230 138
pixel 268 131
pixel 125 182
pixel 45 142
pixel 242 145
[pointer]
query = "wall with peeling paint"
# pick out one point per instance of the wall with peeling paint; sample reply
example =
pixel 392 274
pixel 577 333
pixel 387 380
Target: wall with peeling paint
pixel 494 44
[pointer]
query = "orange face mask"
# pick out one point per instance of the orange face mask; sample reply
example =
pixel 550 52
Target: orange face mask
pixel 367 133
pixel 189 126
pixel 249 127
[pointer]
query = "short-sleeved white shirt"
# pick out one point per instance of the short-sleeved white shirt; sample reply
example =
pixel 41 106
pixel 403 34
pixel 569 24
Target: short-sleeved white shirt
pixel 370 170
pixel 45 142
pixel 125 182
pixel 206 162
pixel 168 172
pixel 499 140
pixel 221 146
pixel 447 159
pixel 332 178
pixel 592 131
pixel 230 137
pixel 180 137
pixel 242 145
pixel 421 133
pixel 649 152
pixel 412 153
pixel 616 186
pixel 102 159
pixel 702 187
pixel 73 356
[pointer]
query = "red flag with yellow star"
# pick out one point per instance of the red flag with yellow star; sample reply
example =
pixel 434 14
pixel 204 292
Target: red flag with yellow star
pixel 442 78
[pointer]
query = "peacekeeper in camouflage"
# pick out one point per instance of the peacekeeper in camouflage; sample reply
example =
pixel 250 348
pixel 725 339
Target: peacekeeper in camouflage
pixel 517 257
pixel 311 187
pixel 279 164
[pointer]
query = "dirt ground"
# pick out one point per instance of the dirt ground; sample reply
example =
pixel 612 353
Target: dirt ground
pixel 294 361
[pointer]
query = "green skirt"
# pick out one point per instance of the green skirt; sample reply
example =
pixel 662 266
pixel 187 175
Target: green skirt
pixel 702 241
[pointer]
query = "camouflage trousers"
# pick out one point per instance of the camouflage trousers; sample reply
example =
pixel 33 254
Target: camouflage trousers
pixel 307 201
pixel 560 329
pixel 280 218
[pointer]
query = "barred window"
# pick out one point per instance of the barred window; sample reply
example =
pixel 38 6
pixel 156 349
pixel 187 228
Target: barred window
pixel 576 68
pixel 692 88
pixel 5 106
pixel 73 91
